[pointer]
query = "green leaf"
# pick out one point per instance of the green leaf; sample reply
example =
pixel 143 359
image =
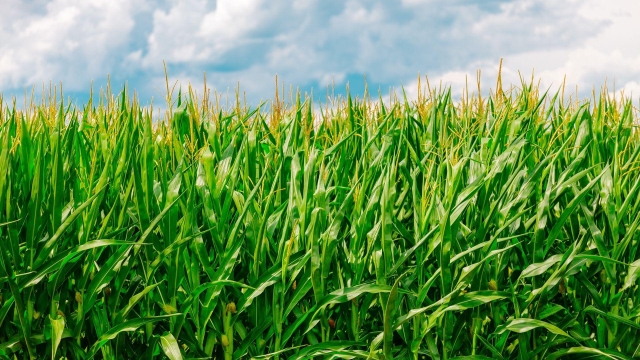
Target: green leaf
pixel 57 328
pixel 524 325
pixel 122 314
pixel 584 352
pixel 389 315
pixel 170 346
pixel 336 297
pixel 610 316
pixel 474 299
pixel 44 252
pixel 540 268
pixel 632 275
pixel 127 326
pixel 325 348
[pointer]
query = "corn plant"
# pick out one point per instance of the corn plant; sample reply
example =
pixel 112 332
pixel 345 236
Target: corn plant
pixel 491 227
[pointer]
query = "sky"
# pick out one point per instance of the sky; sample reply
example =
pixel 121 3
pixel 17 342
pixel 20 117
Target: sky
pixel 315 44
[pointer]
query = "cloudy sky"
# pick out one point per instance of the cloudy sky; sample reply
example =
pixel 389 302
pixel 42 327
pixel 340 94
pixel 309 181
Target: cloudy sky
pixel 311 44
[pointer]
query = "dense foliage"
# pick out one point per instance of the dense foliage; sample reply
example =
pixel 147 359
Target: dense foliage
pixel 500 227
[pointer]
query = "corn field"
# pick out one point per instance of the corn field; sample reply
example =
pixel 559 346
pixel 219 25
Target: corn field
pixel 496 227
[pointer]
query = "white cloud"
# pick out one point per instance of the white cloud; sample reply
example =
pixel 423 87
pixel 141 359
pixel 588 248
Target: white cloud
pixel 411 3
pixel 70 39
pixel 631 89
pixel 586 63
pixel 314 43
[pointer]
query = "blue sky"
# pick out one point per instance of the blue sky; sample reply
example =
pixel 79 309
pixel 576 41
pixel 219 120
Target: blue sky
pixel 312 44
